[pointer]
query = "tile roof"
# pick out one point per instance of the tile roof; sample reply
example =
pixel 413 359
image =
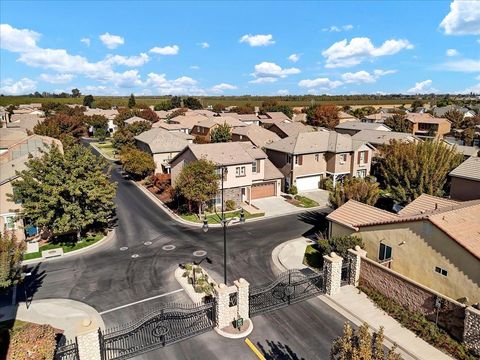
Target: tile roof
pixel 381 137
pixel 425 203
pixel 291 129
pixel 358 125
pixel 253 151
pixel 271 172
pixel 161 141
pixel 258 135
pixel 188 121
pixel 469 169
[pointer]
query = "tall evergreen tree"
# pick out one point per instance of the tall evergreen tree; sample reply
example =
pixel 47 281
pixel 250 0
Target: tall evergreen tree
pixel 66 192
pixel 221 133
pixel 131 101
pixel 411 169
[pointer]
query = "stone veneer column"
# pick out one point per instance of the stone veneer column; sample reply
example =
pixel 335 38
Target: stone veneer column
pixel 355 259
pixel 88 341
pixel 332 273
pixel 243 298
pixel 471 330
pixel 224 313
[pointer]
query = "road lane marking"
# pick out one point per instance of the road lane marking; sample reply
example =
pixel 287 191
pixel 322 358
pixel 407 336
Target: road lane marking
pixel 254 349
pixel 141 301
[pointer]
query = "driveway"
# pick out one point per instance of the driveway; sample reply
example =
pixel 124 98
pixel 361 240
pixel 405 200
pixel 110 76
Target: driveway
pixel 275 205
pixel 320 196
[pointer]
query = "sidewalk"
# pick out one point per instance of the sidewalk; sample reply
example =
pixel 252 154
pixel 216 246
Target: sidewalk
pixel 358 308
pixel 63 314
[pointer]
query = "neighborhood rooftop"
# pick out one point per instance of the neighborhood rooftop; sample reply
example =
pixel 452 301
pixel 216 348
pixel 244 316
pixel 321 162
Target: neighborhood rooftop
pixel 469 169
pixel 160 140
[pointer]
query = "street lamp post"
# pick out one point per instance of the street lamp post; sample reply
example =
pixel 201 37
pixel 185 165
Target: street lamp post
pixel 24 278
pixel 224 222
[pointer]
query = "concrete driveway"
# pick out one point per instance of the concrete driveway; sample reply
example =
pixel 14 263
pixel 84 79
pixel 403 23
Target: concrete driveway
pixel 320 196
pixel 275 205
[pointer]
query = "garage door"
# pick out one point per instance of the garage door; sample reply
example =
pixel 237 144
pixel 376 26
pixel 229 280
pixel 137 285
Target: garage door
pixel 263 190
pixel 308 183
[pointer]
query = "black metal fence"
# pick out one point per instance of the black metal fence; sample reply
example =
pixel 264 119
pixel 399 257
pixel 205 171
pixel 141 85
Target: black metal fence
pixel 160 328
pixel 69 351
pixel 289 287
pixel 346 268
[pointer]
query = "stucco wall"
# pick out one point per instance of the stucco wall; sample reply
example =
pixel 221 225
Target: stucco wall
pixel 464 189
pixel 364 165
pixel 334 165
pixel 9 207
pixel 310 166
pixel 413 296
pixel 163 158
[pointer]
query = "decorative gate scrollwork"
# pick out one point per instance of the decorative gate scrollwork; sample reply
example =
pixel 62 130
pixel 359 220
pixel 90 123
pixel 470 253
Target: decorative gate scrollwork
pixel 289 287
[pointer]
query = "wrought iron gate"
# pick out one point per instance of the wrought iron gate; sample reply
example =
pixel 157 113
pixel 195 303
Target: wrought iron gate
pixel 290 287
pixel 68 351
pixel 346 268
pixel 160 328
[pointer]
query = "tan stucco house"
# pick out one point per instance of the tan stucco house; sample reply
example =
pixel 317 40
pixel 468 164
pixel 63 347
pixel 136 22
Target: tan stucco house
pixel 204 128
pixel 307 158
pixel 257 135
pixel 465 180
pixel 250 175
pixel 163 145
pixel 427 126
pixel 433 241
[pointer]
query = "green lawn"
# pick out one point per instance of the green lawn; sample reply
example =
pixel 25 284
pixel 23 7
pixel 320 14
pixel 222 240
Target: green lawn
pixel 312 258
pixel 305 202
pixel 106 148
pixel 67 247
pixel 215 218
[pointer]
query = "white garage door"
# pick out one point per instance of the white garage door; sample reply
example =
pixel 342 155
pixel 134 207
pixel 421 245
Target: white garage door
pixel 308 183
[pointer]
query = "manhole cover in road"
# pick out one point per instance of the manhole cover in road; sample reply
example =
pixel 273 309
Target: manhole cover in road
pixel 135 256
pixel 168 247
pixel 147 243
pixel 199 253
pixel 123 248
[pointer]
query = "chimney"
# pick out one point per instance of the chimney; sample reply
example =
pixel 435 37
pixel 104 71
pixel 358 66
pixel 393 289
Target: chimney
pixel 256 110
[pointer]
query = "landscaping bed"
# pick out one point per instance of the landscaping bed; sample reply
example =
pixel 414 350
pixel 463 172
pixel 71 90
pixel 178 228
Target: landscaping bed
pixel 302 201
pixel 66 246
pixel 418 324
pixel 106 148
pixel 214 218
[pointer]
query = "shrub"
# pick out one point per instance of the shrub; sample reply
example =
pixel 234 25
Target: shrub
pixel 32 342
pixel 293 190
pixel 338 244
pixel 230 204
pixel 137 163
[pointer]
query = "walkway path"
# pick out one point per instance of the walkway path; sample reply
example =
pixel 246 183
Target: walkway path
pixel 358 308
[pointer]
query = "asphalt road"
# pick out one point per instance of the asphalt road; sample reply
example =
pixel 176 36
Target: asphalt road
pixel 111 277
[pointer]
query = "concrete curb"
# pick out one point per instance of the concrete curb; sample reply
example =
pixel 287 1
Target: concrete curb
pixel 241 335
pixel 86 249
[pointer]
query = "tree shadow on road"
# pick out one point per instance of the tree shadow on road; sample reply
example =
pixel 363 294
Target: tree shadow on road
pixel 32 283
pixel 317 219
pixel 275 350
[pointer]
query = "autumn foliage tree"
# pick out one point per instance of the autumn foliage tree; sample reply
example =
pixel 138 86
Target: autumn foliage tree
pixel 11 255
pixel 411 169
pixel 137 163
pixel 59 125
pixel 323 115
pixel 198 183
pixel 359 189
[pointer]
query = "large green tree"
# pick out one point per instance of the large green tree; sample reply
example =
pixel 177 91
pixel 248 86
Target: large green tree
pixel 398 123
pixel 362 190
pixel 66 192
pixel 192 103
pixel 274 106
pixel 198 183
pixel 11 254
pixel 455 117
pixel 411 169
pixel 88 100
pixel 221 133
pixel 131 101
pixel 137 163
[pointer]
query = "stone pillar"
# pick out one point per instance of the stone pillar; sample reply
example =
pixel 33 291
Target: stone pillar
pixel 88 341
pixel 354 257
pixel 225 313
pixel 332 273
pixel 471 330
pixel 243 298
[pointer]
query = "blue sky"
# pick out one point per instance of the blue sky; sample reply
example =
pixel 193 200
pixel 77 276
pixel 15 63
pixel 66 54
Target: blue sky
pixel 236 48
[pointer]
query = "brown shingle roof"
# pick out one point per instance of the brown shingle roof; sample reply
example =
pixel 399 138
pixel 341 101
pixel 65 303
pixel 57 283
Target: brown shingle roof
pixel 222 153
pixel 258 135
pixel 469 169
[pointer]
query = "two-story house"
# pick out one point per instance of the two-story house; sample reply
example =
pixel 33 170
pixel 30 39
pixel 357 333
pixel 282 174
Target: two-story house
pixel 307 158
pixel 163 145
pixel 204 128
pixel 257 135
pixel 248 173
pixel 427 126
pixel 353 127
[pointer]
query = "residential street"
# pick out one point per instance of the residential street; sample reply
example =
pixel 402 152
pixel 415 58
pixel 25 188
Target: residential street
pixel 108 277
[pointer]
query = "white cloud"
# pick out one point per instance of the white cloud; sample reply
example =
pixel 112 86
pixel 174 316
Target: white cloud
pixel 131 61
pixel 99 90
pixel 258 40
pixel 294 57
pixel 194 67
pixel 166 50
pixel 183 85
pixel 322 83
pixel 21 87
pixel 334 28
pixel 472 89
pixel 57 78
pixel 283 92
pixel 422 87
pixel 464 65
pixel 86 41
pixel 463 18
pixel 364 76
pixel 17 40
pixel 268 72
pixel 452 52
pixel 204 45
pixel 219 88
pixel 111 41
pixel 345 54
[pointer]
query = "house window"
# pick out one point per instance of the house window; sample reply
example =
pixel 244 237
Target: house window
pixel 9 222
pixel 441 271
pixel 343 158
pixel 362 157
pixel 317 157
pixel 256 166
pixel 240 171
pixel 289 159
pixel 198 130
pixel 362 173
pixel 385 252
pixel 299 160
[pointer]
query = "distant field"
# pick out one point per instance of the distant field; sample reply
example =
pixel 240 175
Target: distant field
pixel 293 101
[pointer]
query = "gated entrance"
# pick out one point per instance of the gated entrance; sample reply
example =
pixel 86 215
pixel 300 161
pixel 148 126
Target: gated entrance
pixel 68 351
pixel 290 287
pixel 160 328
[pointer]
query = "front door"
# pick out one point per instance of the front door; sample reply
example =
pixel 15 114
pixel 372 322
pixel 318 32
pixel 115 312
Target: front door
pixel 244 194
